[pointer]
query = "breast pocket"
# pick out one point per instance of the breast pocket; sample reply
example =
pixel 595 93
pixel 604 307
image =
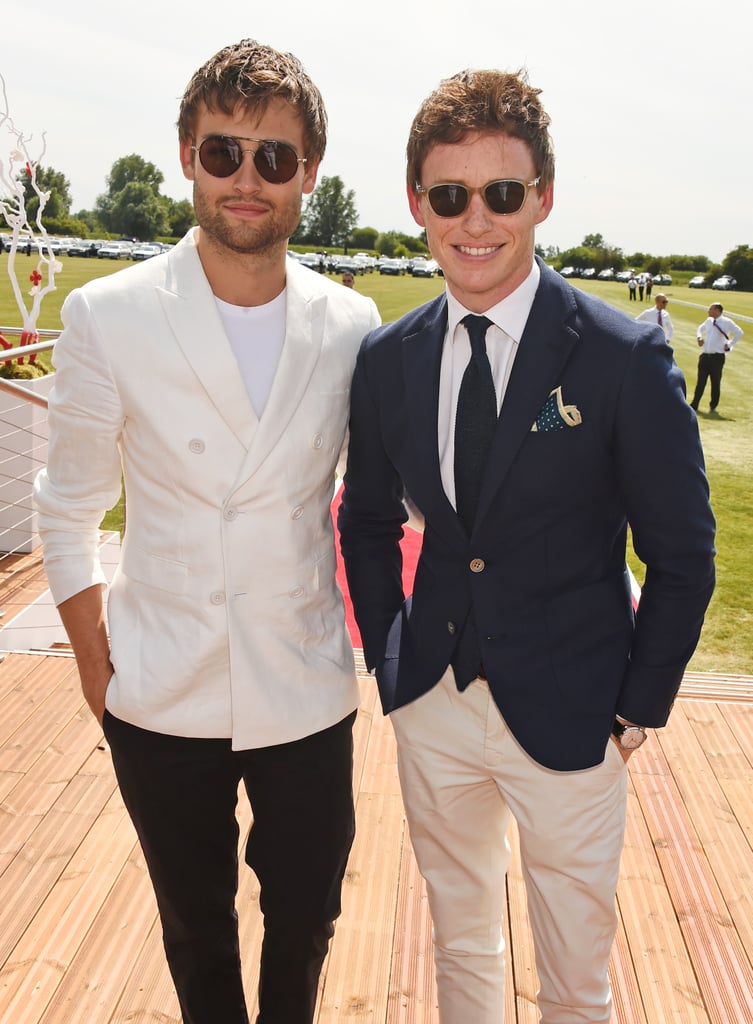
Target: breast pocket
pixel 560 466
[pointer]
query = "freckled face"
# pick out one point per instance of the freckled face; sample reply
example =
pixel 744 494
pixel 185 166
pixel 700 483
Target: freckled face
pixel 484 256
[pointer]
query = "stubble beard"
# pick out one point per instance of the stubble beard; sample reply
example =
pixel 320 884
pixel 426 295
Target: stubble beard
pixel 257 238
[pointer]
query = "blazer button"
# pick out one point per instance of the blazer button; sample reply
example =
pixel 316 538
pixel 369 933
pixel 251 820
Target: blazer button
pixel 452 628
pixel 317 441
pixel 230 514
pixel 196 445
pixel 217 597
pixel 477 565
pixel 297 512
pixel 295 592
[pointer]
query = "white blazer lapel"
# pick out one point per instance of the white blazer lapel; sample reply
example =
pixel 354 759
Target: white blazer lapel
pixel 191 311
pixel 304 330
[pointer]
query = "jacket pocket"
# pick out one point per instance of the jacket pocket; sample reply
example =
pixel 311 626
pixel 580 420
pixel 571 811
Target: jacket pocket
pixel 154 570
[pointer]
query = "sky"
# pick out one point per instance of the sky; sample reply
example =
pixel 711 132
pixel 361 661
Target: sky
pixel 650 102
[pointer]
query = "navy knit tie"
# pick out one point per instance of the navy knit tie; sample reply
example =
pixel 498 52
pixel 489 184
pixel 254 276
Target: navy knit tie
pixel 475 420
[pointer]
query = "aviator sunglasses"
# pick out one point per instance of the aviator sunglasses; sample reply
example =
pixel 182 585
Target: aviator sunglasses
pixel 503 197
pixel 222 155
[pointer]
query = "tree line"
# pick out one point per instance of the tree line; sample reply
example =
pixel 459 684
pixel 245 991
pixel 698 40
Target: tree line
pixel 595 252
pixel 133 206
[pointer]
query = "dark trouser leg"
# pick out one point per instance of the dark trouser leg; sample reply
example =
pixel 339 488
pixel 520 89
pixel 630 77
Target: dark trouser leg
pixel 302 798
pixel 715 373
pixel 181 795
pixel 703 376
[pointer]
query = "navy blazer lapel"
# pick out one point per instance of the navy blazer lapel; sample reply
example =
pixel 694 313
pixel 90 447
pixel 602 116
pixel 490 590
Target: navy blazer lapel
pixel 542 354
pixel 422 357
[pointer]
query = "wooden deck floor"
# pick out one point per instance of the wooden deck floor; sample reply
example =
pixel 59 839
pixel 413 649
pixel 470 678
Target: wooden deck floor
pixel 79 941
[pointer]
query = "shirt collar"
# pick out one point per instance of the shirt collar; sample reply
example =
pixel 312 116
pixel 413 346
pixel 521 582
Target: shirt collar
pixel 510 314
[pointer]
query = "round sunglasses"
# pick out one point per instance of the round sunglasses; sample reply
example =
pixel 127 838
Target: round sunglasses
pixel 502 197
pixel 222 155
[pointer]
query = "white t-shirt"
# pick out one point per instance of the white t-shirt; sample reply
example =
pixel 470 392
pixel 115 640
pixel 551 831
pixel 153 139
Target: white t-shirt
pixel 256 335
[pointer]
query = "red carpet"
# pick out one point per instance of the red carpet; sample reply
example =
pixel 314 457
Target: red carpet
pixel 411 547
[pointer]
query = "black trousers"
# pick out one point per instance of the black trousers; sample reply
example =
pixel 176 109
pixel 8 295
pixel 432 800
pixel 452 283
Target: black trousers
pixel 181 795
pixel 710 366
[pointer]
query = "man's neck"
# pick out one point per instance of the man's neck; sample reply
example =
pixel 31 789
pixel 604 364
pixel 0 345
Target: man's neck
pixel 242 279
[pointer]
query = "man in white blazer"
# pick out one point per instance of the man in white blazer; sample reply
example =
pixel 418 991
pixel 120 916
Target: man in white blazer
pixel 214 381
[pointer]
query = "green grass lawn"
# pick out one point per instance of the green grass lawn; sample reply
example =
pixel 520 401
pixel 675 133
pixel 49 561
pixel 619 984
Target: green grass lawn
pixel 727 641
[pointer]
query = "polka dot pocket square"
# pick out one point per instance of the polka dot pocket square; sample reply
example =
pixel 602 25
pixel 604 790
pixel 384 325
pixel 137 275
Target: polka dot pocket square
pixel 555 415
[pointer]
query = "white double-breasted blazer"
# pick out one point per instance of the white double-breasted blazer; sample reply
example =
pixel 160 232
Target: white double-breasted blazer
pixel 224 613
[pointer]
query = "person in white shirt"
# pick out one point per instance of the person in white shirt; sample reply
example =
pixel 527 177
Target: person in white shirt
pixel 659 315
pixel 717 335
pixel 214 381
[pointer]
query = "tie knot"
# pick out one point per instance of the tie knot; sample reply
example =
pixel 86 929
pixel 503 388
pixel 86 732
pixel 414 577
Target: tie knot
pixel 477 327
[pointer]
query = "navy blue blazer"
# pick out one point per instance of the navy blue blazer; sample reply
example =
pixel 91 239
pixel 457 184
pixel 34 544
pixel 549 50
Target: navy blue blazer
pixel 561 647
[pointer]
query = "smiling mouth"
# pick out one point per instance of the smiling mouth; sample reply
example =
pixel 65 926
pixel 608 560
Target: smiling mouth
pixel 478 250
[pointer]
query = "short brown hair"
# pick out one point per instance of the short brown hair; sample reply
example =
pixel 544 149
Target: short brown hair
pixel 251 75
pixel 481 101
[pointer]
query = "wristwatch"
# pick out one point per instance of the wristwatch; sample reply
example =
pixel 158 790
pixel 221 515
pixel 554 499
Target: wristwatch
pixel 629 736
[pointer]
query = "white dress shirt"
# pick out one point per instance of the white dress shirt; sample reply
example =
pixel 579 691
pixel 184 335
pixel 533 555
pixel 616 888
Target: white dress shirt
pixel 509 318
pixel 719 335
pixel 661 318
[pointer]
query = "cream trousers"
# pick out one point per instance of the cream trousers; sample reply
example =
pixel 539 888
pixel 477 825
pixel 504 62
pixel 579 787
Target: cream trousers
pixel 462 775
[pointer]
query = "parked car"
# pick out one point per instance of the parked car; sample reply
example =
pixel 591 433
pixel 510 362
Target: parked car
pixel 369 262
pixel 568 272
pixel 589 272
pixel 344 263
pixel 623 275
pixel 661 278
pixel 84 247
pixel 393 267
pixel 312 260
pixel 606 275
pixel 424 268
pixel 699 281
pixel 115 251
pixel 724 283
pixel 145 251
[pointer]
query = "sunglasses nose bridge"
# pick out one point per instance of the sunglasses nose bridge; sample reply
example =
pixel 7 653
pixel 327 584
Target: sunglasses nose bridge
pixel 477 209
pixel 247 174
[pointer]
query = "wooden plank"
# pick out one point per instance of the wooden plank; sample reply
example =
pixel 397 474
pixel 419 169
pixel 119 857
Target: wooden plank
pixel 14 667
pixel 713 777
pixel 723 971
pixel 521 979
pixel 356 981
pixel 46 950
pixel 412 989
pixel 357 976
pixel 37 867
pixel 56 760
pixel 79 936
pixel 28 695
pixel 669 991
pixel 627 1002
pixel 92 986
pixel 716 687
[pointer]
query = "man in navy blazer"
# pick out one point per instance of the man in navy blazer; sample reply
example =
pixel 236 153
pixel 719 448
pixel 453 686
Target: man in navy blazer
pixel 518 677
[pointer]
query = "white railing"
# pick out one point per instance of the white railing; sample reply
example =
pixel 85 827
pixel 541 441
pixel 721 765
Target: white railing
pixel 23 452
